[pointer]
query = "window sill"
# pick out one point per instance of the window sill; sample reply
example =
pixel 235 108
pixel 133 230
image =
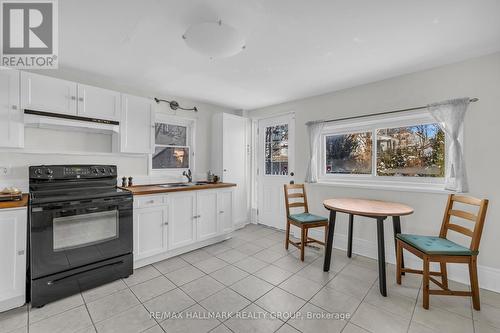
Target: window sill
pixel 385 185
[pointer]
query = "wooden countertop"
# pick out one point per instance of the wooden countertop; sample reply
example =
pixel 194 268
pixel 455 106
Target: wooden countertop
pixel 15 203
pixel 157 189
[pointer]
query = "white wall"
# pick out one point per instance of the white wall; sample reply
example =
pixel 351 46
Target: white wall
pixel 96 147
pixel 478 77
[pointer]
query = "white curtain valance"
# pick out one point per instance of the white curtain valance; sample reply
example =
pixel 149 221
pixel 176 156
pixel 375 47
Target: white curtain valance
pixel 314 130
pixel 450 116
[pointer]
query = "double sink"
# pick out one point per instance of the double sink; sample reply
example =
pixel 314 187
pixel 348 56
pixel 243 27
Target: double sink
pixel 170 185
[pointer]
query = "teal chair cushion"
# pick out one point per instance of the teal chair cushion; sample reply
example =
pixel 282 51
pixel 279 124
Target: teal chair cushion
pixel 435 245
pixel 307 218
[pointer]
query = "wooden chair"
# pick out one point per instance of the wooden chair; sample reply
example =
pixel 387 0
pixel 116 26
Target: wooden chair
pixel 304 221
pixel 441 250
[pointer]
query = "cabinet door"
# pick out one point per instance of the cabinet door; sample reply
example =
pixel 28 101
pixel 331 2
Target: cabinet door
pixel 11 116
pixel 136 125
pixel 206 221
pixel 235 160
pixel 12 258
pixel 182 217
pixel 45 93
pixel 150 231
pixel 225 207
pixel 98 103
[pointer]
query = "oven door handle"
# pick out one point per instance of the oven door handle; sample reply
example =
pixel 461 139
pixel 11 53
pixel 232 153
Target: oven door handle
pixel 52 282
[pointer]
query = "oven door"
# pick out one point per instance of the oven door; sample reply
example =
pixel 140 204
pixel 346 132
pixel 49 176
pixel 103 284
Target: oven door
pixel 68 235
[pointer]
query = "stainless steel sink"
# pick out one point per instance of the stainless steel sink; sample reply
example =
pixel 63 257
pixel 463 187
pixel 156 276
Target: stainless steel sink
pixel 174 185
pixel 171 185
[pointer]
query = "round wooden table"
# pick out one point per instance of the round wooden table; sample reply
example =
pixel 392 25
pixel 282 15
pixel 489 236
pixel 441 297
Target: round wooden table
pixel 376 209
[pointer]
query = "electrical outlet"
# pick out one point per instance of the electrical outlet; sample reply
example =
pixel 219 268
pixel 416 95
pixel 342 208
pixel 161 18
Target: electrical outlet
pixel 4 170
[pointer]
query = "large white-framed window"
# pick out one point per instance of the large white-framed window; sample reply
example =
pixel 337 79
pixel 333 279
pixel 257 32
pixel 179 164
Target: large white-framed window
pixel 174 149
pixel 392 151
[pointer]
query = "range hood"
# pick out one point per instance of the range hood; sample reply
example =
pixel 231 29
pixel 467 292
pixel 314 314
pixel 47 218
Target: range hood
pixel 49 120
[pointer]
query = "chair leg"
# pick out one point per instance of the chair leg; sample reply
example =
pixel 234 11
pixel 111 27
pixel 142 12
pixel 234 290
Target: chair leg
pixel 399 261
pixel 444 275
pixel 425 280
pixel 474 284
pixel 307 233
pixel 302 242
pixel 287 237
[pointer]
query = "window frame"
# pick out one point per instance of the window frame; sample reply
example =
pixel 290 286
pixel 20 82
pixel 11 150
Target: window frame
pixel 373 180
pixel 190 125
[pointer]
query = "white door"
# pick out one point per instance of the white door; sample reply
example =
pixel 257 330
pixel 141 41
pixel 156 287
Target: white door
pixel 206 219
pixel 12 258
pixel 11 115
pixel 136 125
pixel 150 231
pixel 98 103
pixel 45 93
pixel 182 218
pixel 275 159
pixel 235 162
pixel 225 207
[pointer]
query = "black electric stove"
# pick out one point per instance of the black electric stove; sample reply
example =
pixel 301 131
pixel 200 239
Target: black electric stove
pixel 81 230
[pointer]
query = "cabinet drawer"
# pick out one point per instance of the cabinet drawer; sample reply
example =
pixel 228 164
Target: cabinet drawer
pixel 149 201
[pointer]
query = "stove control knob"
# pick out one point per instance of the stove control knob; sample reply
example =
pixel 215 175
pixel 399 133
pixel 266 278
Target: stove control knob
pixel 38 172
pixel 103 170
pixel 111 170
pixel 95 171
pixel 49 172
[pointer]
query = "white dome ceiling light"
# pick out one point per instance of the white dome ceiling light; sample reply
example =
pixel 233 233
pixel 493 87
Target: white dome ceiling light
pixel 214 39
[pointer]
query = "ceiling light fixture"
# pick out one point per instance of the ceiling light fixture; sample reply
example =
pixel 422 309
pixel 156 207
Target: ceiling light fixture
pixel 214 39
pixel 174 105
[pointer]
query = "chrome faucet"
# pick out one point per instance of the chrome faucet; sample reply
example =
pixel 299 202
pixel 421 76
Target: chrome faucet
pixel 188 175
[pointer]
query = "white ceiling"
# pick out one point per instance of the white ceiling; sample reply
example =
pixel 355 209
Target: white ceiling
pixel 295 48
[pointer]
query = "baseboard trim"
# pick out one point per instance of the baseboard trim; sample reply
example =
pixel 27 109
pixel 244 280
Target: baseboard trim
pixel 489 277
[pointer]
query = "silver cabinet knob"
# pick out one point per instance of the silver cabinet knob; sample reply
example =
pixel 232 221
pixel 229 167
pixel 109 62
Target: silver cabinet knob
pixel 20 253
pixel 165 223
pixel 80 99
pixel 73 98
pixel 221 212
pixel 14 107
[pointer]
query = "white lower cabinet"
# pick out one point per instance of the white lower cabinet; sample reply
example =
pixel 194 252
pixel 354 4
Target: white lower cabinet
pixel 13 227
pixel 225 209
pixel 175 221
pixel 207 214
pixel 150 231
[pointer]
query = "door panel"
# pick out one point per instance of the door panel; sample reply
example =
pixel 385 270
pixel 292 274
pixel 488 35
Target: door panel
pixel 136 125
pixel 182 210
pixel 275 162
pixel 206 203
pixel 99 103
pixel 225 206
pixel 44 93
pixel 11 115
pixel 13 254
pixel 149 232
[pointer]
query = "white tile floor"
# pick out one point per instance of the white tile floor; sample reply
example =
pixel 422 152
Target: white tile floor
pixel 254 273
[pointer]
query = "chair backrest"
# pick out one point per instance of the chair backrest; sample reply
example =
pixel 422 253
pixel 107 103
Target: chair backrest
pixel 476 219
pixel 298 192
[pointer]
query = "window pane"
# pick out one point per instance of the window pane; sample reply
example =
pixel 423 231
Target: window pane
pixel 276 150
pixel 349 153
pixel 171 157
pixel 416 151
pixel 171 135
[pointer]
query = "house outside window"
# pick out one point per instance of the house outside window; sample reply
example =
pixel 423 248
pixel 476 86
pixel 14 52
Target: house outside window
pixel 173 144
pixel 403 150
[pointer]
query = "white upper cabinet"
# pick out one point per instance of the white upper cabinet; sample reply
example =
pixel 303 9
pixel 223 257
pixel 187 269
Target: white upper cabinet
pixel 13 227
pixel 98 103
pixel 45 93
pixel 136 125
pixel 11 115
pixel 206 219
